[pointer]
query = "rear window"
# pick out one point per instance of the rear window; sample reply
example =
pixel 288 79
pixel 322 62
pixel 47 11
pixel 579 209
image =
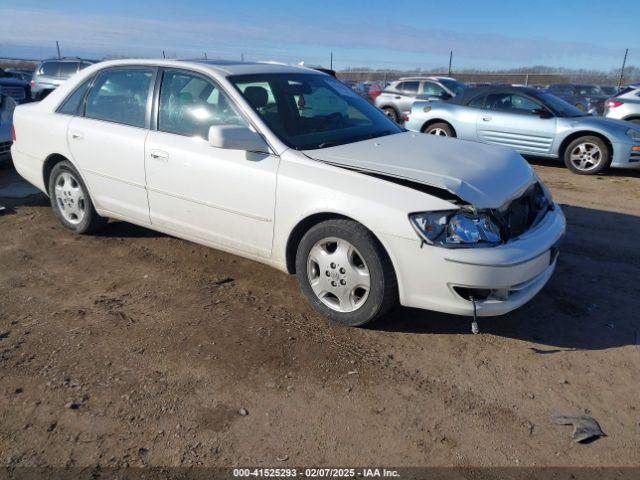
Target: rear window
pixel 50 69
pixel 68 68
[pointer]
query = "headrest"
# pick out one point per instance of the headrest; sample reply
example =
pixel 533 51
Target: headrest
pixel 256 96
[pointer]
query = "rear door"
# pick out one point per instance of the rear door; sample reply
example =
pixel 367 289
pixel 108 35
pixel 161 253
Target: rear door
pixel 107 141
pixel 516 120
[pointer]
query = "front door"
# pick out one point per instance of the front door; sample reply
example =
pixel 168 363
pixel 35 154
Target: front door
pixel 226 197
pixel 517 121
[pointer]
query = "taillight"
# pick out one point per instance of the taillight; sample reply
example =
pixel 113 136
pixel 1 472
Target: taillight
pixel 614 103
pixel 13 133
pixel 405 117
pixel 32 83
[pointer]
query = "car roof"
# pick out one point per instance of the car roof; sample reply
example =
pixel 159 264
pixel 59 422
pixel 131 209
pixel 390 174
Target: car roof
pixel 221 67
pixel 469 94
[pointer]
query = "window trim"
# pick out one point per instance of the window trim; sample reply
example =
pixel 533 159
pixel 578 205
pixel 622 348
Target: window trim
pixel 80 108
pixel 147 113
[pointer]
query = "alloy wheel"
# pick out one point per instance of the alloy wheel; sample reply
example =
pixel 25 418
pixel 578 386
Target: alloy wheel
pixel 440 132
pixel 338 274
pixel 70 198
pixel 586 156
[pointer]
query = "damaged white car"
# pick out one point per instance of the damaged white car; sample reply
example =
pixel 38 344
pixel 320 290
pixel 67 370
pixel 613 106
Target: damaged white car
pixel 287 166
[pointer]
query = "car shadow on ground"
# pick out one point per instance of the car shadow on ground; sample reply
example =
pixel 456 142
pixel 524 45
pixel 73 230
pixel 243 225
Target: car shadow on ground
pixel 590 303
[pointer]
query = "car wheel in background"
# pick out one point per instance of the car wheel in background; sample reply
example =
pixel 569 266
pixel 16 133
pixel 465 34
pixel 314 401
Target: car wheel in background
pixel 587 155
pixel 71 202
pixel 440 129
pixel 345 273
pixel 391 113
pixel 634 120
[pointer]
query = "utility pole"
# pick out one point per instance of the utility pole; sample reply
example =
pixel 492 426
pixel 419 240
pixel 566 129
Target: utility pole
pixel 624 63
pixel 242 57
pixel 205 56
pixel 58 48
pixel 450 60
pixel 331 63
pixel 163 55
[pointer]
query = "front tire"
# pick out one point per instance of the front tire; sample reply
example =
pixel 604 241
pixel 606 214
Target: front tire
pixel 440 129
pixel 71 202
pixel 587 155
pixel 345 273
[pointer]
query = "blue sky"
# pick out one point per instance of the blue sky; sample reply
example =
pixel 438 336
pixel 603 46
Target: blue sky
pixel 379 34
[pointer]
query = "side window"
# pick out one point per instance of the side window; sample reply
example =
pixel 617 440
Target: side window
pixel 190 104
pixel 510 103
pixel 478 102
pixel 73 101
pixel 120 96
pixel 410 87
pixel 319 102
pixel 430 88
pixel 399 86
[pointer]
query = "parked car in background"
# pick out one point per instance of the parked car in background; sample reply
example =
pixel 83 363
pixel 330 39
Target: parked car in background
pixel 586 98
pixel 609 90
pixel 15 88
pixel 375 88
pixel 534 123
pixel 400 95
pixel 7 106
pixel 625 105
pixel 52 73
pixel 21 74
pixel 357 207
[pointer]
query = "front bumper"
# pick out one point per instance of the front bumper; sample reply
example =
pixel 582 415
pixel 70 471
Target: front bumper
pixel 626 155
pixel 436 278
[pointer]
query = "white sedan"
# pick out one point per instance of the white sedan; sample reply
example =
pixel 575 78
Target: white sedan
pixel 288 166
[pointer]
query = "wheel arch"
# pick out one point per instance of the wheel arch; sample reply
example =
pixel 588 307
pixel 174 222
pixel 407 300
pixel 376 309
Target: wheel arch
pixel 47 167
pixel 632 117
pixel 303 226
pixel 583 133
pixel 431 121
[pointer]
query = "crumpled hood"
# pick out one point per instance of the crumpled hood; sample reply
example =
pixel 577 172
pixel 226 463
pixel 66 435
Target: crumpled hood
pixel 486 176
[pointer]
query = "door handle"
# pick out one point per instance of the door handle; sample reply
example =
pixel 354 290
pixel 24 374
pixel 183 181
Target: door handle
pixel 398 98
pixel 159 155
pixel 77 135
pixel 486 119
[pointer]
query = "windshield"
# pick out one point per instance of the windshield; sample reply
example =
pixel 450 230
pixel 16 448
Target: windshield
pixel 308 111
pixel 589 90
pixel 559 106
pixel 456 87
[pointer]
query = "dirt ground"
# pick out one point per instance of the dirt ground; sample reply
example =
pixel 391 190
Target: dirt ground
pixel 133 348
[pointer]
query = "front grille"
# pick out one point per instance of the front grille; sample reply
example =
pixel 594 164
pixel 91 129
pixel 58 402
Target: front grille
pixel 17 93
pixel 5 147
pixel 522 213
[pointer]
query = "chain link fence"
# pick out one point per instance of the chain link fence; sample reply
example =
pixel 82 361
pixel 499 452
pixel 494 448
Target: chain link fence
pixel 527 79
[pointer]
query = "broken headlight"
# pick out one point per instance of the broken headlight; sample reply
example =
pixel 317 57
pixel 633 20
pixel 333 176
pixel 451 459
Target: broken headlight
pixel 456 229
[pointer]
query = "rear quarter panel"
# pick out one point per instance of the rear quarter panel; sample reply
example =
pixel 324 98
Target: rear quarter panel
pixel 462 119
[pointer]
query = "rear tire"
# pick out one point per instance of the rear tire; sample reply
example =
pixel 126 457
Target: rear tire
pixel 345 273
pixel 587 155
pixel 71 202
pixel 391 113
pixel 440 129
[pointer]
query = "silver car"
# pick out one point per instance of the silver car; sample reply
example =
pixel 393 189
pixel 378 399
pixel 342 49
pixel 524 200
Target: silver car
pixel 7 106
pixel 400 95
pixel 50 74
pixel 625 105
pixel 533 123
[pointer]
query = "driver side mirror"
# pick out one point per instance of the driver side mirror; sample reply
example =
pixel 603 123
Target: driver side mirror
pixel 236 137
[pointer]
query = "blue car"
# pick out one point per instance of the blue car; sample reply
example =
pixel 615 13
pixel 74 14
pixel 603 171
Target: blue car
pixel 532 122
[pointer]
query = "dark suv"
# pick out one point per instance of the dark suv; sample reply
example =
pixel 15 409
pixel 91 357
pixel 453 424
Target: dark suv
pixel 50 74
pixel 14 87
